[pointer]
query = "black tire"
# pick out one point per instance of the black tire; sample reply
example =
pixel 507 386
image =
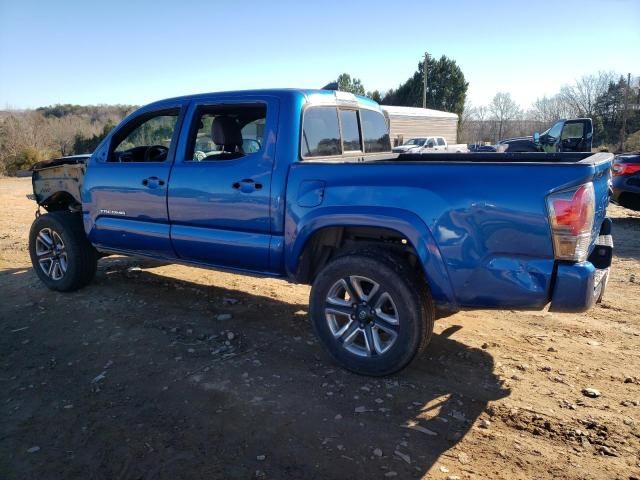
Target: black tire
pixel 80 258
pixel 411 302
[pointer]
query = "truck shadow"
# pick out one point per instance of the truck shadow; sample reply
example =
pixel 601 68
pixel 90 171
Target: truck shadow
pixel 626 237
pixel 163 386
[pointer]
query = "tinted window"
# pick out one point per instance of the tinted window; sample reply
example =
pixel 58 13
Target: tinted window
pixel 321 132
pixel 440 141
pixel 248 120
pixel 374 130
pixel 350 130
pixel 148 140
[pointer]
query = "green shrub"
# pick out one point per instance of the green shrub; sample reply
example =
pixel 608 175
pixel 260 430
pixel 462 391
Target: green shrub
pixel 25 158
pixel 632 143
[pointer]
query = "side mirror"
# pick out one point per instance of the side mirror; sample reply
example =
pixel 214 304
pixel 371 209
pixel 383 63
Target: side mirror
pixel 536 137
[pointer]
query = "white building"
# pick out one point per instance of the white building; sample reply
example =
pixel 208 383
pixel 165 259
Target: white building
pixel 408 122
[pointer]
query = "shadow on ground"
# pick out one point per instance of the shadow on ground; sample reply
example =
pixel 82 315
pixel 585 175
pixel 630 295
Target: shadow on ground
pixel 626 237
pixel 135 377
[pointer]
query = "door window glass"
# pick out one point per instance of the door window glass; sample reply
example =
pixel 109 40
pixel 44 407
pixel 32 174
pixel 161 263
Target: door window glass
pixel 227 132
pixel 148 141
pixel 555 130
pixel 573 130
pixel 440 141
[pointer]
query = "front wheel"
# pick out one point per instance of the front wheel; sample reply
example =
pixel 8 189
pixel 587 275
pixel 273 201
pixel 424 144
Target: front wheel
pixel 61 255
pixel 371 313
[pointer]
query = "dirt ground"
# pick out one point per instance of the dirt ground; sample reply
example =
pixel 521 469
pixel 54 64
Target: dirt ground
pixel 170 372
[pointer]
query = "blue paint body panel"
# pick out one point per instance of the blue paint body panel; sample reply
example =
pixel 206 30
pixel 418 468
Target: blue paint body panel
pixel 480 228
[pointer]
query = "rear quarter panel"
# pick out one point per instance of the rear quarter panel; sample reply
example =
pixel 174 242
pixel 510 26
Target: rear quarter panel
pixel 481 230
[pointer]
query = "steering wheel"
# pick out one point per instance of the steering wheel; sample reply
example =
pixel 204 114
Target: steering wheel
pixel 154 153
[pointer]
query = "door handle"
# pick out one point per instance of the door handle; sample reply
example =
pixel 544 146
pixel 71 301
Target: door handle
pixel 152 182
pixel 247 185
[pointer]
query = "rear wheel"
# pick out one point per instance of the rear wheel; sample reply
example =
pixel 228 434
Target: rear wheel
pixel 371 312
pixel 61 255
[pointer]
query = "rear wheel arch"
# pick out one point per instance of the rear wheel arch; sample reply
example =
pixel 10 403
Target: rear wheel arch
pixel 322 227
pixel 327 243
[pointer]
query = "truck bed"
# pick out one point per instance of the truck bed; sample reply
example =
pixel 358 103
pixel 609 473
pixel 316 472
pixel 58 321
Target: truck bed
pixel 473 211
pixel 495 157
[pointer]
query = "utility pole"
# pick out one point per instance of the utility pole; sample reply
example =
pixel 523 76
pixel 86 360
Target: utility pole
pixel 424 78
pixel 623 129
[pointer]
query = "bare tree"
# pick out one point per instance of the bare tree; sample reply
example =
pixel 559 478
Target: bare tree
pixel 464 120
pixel 503 109
pixel 63 132
pixel 582 95
pixel 547 110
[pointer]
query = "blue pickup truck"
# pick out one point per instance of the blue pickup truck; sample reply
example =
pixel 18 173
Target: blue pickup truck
pixel 302 184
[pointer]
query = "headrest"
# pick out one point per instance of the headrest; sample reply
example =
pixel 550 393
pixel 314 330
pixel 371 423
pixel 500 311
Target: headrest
pixel 225 131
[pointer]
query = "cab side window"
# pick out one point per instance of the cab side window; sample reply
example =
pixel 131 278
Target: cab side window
pixel 321 132
pixel 148 139
pixel 573 130
pixel 227 132
pixel 555 131
pixel 374 132
pixel 331 131
pixel 440 141
pixel 350 131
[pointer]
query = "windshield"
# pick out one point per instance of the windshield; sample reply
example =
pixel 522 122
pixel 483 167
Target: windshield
pixel 415 141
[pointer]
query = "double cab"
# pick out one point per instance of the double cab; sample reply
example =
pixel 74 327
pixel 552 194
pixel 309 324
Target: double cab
pixel 303 185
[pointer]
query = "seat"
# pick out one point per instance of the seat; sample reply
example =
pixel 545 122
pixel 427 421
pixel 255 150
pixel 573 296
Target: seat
pixel 226 133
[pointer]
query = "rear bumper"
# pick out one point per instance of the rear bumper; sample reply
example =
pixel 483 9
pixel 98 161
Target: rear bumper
pixel 579 285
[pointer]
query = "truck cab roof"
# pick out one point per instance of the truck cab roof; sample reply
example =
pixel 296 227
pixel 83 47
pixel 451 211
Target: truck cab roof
pixel 307 96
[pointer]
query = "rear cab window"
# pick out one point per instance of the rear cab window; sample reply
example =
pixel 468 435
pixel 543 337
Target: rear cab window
pixel 330 131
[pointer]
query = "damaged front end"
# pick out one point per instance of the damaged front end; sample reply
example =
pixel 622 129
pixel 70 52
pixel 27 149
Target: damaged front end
pixel 57 183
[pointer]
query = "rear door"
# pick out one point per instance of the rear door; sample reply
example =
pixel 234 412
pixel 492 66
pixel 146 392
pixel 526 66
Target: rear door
pixel 125 186
pixel 219 195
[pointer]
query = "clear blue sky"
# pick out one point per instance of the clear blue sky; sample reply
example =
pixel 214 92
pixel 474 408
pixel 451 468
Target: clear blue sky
pixel 137 51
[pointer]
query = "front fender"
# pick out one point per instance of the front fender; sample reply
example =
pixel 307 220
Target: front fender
pixel 298 231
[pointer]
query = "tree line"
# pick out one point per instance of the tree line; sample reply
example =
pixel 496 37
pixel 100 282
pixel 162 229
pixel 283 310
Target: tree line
pixel 601 96
pixel 29 136
pixel 605 97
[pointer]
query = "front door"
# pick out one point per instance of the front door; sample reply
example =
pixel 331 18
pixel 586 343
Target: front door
pixel 125 187
pixel 220 189
pixel 577 135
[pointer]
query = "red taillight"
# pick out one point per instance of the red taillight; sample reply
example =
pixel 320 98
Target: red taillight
pixel 571 214
pixel 625 168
